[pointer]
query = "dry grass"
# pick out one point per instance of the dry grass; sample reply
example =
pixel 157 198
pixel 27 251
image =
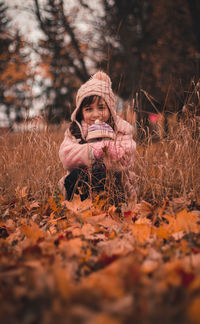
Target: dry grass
pixel 170 168
pixel 167 169
pixel 30 160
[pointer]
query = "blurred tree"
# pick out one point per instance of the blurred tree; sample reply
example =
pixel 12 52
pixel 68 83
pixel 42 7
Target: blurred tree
pixel 194 8
pixel 15 74
pixel 124 30
pixel 151 45
pixel 62 59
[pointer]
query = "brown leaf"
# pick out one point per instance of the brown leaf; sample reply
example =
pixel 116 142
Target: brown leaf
pixel 78 206
pixel 187 222
pixel 32 232
pixel 141 232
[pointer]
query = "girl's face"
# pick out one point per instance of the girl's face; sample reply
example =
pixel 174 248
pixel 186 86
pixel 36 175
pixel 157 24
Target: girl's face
pixel 96 110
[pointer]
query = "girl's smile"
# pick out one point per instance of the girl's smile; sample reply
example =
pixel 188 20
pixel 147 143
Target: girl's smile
pixel 96 110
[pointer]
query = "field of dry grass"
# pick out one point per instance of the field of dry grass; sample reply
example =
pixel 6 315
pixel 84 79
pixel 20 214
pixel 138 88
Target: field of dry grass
pixel 168 168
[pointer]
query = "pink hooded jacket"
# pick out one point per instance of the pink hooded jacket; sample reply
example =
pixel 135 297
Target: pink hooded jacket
pixel 73 154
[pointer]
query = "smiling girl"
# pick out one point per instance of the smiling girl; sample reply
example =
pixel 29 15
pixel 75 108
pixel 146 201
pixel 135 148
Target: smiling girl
pixel 111 151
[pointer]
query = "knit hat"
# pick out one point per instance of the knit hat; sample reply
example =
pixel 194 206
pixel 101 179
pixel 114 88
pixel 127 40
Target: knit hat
pixel 100 85
pixel 100 130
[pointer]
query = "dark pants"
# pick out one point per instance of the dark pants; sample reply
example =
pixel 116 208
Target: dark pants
pixel 83 181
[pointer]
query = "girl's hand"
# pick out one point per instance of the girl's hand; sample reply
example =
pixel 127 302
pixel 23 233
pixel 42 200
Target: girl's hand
pixel 98 150
pixel 113 149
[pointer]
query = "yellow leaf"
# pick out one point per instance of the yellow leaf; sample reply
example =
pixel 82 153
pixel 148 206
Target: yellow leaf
pixel 184 221
pixel 184 246
pixel 171 220
pixel 187 222
pixel 141 232
pixel 161 232
pixel 52 204
pixel 32 231
pixel 87 213
pixel 78 206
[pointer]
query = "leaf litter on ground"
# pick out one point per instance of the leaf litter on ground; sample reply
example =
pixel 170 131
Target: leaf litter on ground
pixel 84 262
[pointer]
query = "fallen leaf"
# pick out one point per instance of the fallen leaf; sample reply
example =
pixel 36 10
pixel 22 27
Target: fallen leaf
pixel 32 232
pixel 161 232
pixel 141 232
pixel 78 206
pixel 186 222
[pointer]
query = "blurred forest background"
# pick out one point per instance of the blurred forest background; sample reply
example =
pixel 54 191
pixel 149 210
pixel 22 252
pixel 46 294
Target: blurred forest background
pixel 142 44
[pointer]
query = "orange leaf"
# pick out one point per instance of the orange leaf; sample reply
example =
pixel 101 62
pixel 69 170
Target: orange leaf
pixel 78 206
pixel 141 232
pixel 52 204
pixel 32 231
pixel 187 222
pixel 171 220
pixel 161 232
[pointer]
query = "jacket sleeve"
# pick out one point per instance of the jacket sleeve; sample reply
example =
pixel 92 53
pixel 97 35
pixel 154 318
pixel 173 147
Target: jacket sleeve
pixel 72 154
pixel 125 135
pixel 127 142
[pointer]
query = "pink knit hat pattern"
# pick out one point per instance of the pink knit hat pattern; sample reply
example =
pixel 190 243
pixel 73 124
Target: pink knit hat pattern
pixel 100 85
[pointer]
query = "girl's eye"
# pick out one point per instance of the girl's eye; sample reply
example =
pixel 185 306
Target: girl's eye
pixel 101 107
pixel 88 109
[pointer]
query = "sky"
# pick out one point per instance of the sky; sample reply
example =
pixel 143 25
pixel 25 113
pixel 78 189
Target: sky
pixel 20 12
pixel 23 19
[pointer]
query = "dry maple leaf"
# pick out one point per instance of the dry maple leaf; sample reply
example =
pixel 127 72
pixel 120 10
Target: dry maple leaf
pixel 32 231
pixel 78 206
pixel 161 232
pixel 141 232
pixel 187 222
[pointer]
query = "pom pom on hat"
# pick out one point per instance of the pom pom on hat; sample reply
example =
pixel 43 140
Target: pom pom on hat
pixel 100 75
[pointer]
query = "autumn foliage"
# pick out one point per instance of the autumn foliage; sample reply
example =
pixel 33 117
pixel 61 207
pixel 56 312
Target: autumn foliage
pixel 90 262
